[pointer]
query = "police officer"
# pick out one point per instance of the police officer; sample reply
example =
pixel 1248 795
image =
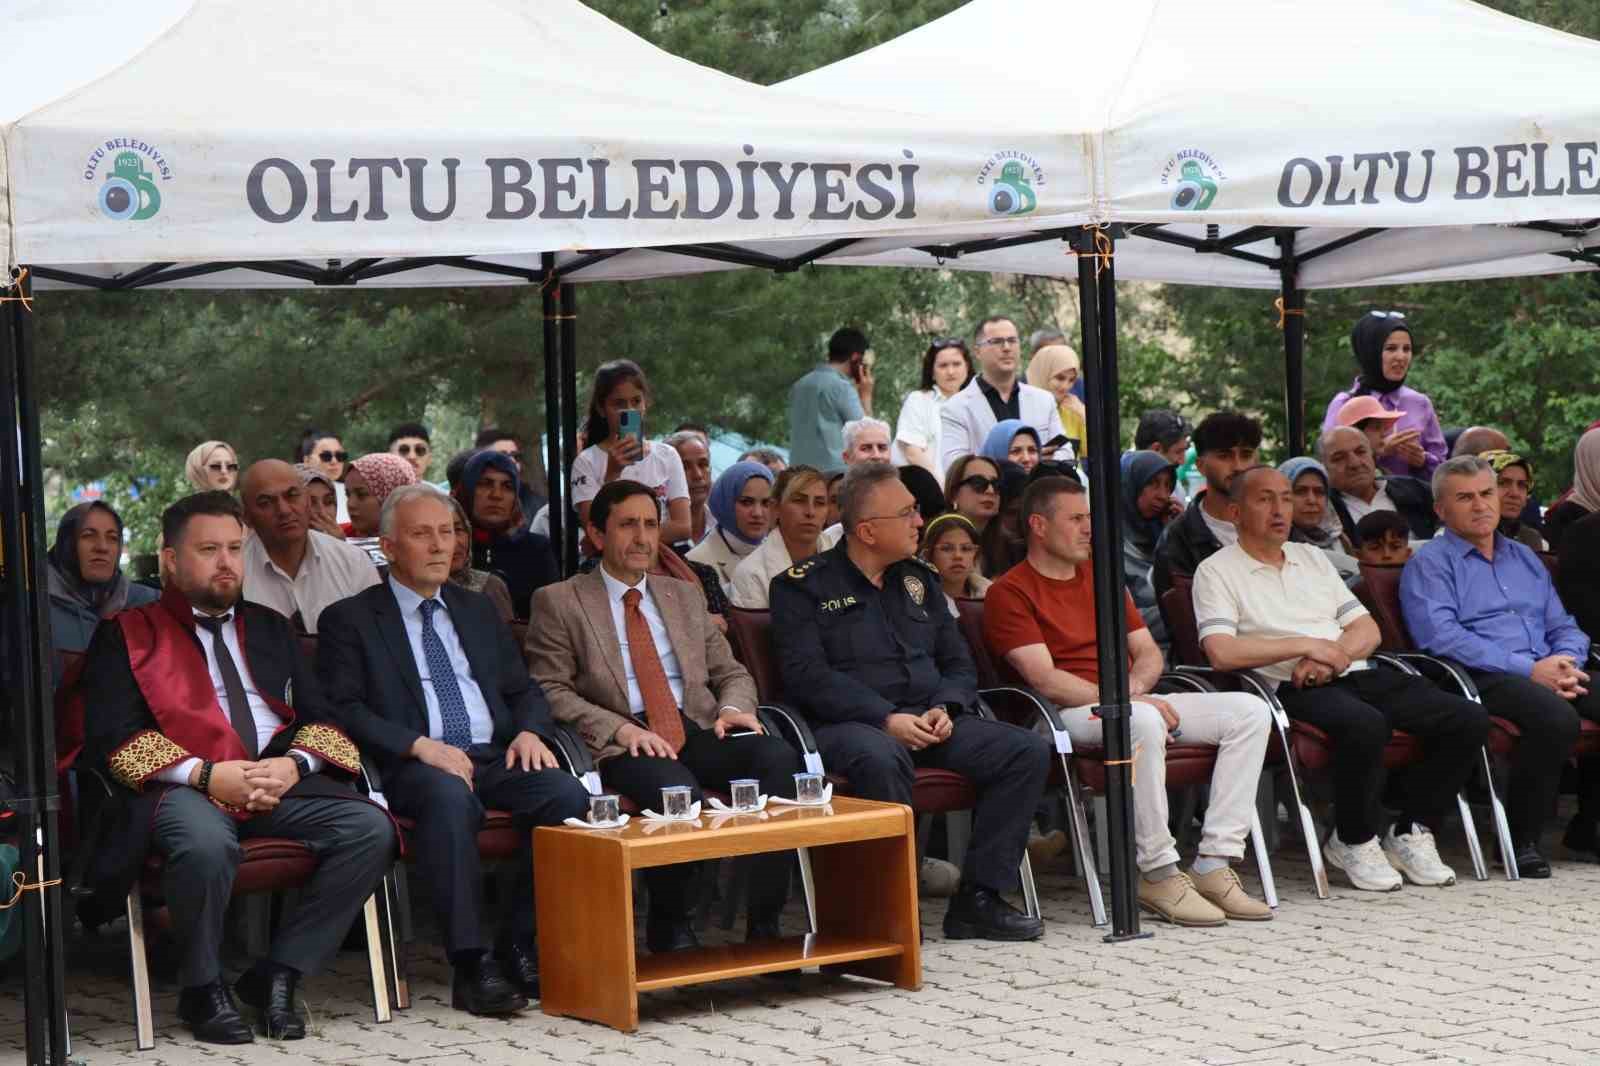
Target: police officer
pixel 871 655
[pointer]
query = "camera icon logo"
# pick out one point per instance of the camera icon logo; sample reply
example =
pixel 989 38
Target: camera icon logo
pixel 1195 190
pixel 1012 193
pixel 130 190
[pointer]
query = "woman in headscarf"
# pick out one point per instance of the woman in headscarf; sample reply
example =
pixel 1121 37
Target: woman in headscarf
pixel 741 503
pixel 1012 440
pixel 368 482
pixel 1382 344
pixel 1514 478
pixel 1148 479
pixel 86 582
pixel 322 501
pixel 212 466
pixel 950 546
pixel 1313 521
pixel 1583 499
pixel 463 574
pixel 1055 369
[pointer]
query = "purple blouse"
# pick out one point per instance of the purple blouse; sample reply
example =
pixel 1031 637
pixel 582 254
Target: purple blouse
pixel 1417 413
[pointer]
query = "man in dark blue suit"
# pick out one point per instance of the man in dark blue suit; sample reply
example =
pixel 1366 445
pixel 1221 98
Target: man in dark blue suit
pixel 429 681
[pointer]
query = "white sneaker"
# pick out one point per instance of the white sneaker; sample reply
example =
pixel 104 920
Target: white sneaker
pixel 1415 855
pixel 938 878
pixel 1364 864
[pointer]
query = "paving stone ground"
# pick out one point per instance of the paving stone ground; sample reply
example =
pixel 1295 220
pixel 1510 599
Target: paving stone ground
pixel 1481 972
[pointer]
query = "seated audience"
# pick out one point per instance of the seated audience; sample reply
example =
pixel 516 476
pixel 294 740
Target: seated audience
pixel 835 480
pixel 620 386
pixel 926 490
pixel 1414 445
pixel 686 709
pixel 504 440
pixel 950 546
pixel 212 467
pixel 1382 539
pixel 322 449
pixel 463 574
pixel 994 395
pixel 409 440
pixel 797 534
pixel 1514 479
pixel 946 369
pixel 188 724
pixel 1147 506
pixel 972 489
pixel 322 501
pixel 1475 440
pixel 694 452
pixel 1055 369
pixel 770 458
pixel 1013 441
pixel 1358 490
pixel 866 440
pixel 458 463
pixel 1583 498
pixel 1579 568
pixel 1485 601
pixel 1225 443
pixel 289 566
pixel 85 579
pixel 1164 432
pixel 871 656
pixel 501 541
pixel 1314 522
pixel 1040 619
pixel 1366 414
pixel 1280 609
pixel 426 676
pixel 1002 545
pixel 741 505
pixel 368 483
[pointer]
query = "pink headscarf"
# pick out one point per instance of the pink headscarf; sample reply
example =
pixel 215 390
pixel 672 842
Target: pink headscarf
pixel 1586 471
pixel 384 472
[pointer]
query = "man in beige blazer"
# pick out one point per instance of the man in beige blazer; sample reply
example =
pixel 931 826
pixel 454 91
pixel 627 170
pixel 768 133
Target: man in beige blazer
pixel 633 662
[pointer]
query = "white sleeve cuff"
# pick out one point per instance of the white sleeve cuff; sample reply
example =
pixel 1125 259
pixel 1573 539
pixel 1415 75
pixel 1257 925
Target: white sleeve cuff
pixel 179 774
pixel 310 757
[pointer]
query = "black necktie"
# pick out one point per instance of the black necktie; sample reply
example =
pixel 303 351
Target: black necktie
pixel 244 723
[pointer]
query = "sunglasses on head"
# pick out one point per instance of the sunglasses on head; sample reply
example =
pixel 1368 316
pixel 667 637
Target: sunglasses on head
pixel 330 457
pixel 940 343
pixel 404 450
pixel 1387 314
pixel 979 483
pixel 217 468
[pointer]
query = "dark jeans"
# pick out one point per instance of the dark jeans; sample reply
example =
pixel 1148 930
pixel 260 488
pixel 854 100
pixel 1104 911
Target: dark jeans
pixel 1549 726
pixel 1358 712
pixel 353 841
pixel 712 763
pixel 1007 763
pixel 448 816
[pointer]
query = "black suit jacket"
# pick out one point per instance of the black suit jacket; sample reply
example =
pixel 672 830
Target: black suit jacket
pixel 1413 501
pixel 375 688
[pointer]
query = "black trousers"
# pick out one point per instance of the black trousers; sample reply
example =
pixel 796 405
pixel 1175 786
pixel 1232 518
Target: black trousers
pixel 1549 727
pixel 1358 712
pixel 1007 763
pixel 445 840
pixel 706 761
pixel 354 843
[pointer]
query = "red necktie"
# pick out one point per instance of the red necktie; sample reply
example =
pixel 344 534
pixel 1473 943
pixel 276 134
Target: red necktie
pixel 660 707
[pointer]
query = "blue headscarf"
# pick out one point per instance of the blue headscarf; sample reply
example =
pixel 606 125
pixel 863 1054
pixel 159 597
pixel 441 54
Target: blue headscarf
pixel 997 445
pixel 725 494
pixel 1327 534
pixel 471 474
pixel 1139 468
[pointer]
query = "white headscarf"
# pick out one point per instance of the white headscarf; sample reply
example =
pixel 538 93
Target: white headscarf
pixel 1586 471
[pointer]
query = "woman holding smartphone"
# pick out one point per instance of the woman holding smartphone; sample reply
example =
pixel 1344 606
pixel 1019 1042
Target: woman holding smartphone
pixel 618 450
pixel 1381 341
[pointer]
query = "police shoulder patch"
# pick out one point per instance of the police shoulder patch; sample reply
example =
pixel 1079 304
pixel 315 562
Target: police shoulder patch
pixel 800 570
pixel 920 561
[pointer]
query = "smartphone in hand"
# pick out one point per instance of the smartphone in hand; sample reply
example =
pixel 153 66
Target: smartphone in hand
pixel 631 424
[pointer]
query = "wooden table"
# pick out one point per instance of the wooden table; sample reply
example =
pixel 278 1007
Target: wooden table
pixel 863 861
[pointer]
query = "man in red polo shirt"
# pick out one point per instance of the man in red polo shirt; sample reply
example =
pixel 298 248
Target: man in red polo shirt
pixel 1040 618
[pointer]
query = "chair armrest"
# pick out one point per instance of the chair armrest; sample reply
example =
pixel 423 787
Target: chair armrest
pixel 572 755
pixel 1446 672
pixel 781 721
pixel 1031 704
pixel 1184 680
pixel 1393 661
pixel 1247 680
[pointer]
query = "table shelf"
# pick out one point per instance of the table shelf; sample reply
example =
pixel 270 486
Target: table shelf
pixel 698 965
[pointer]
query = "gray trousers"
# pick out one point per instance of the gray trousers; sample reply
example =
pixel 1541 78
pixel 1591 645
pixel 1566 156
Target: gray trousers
pixel 354 843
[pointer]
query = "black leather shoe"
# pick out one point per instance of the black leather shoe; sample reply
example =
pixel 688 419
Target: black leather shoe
pixel 672 934
pixel 1583 839
pixel 762 928
pixel 269 992
pixel 481 988
pixel 520 962
pixel 209 1013
pixel 980 914
pixel 1530 864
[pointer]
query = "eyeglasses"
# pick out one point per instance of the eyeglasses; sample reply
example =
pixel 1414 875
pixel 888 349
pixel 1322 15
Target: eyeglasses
pixel 905 514
pixel 979 483
pixel 217 468
pixel 1001 342
pixel 404 450
pixel 330 457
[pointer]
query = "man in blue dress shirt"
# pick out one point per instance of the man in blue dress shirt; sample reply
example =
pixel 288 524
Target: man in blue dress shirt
pixel 1486 601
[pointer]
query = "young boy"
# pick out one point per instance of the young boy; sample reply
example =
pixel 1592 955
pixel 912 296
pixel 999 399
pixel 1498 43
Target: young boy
pixel 1383 539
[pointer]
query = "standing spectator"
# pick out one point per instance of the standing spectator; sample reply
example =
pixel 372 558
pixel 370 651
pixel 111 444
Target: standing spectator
pixel 972 489
pixel 1147 507
pixel 995 395
pixel 409 440
pixel 1514 478
pixel 797 535
pixel 504 440
pixel 1014 441
pixel 620 386
pixel 946 370
pixel 741 501
pixel 694 452
pixel 1358 490
pixel 866 440
pixel 85 577
pixel 369 481
pixel 1225 443
pixel 322 502
pixel 212 467
pixel 770 458
pixel 501 541
pixel 821 402
pixel 322 449
pixel 1583 498
pixel 1055 369
pixel 1164 432
pixel 1382 344
pixel 950 546
pixel 1367 414
pixel 462 572
pixel 1313 521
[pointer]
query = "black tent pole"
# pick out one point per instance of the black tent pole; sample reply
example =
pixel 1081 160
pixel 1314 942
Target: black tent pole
pixel 569 413
pixel 1097 301
pixel 1292 315
pixel 555 461
pixel 27 651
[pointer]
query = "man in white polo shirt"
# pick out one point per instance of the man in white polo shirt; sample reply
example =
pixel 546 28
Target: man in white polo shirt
pixel 1281 609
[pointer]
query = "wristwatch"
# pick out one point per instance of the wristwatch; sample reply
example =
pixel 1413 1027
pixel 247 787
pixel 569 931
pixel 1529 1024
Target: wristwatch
pixel 301 763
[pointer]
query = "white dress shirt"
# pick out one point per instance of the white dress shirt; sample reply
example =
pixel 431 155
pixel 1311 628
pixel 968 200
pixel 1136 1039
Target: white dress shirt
pixel 477 708
pixel 330 571
pixel 267 721
pixel 658 632
pixel 1360 508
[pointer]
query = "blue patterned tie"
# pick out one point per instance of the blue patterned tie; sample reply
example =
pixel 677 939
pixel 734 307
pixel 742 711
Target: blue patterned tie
pixel 453 718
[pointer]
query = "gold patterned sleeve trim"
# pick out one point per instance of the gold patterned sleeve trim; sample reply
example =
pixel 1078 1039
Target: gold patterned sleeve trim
pixel 330 743
pixel 144 755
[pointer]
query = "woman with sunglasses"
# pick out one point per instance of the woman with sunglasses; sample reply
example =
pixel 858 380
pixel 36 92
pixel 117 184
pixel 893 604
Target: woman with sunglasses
pixel 950 544
pixel 213 467
pixel 1381 341
pixel 972 487
pixel 946 369
pixel 322 451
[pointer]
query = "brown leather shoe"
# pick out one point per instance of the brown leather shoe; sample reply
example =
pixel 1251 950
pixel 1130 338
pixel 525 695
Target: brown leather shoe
pixel 1175 899
pixel 1223 889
